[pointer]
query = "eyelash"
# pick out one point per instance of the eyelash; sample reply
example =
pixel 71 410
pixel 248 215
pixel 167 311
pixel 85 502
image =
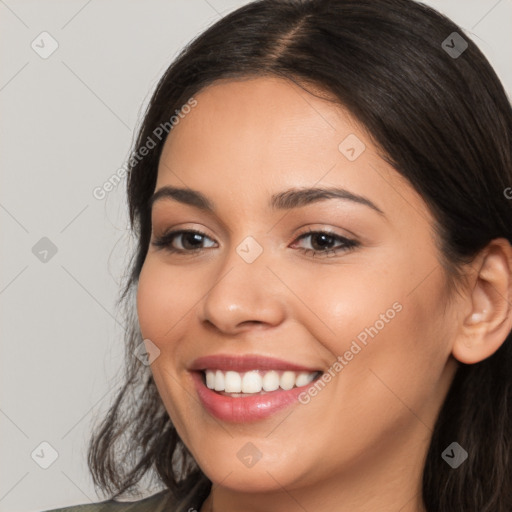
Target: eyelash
pixel 165 242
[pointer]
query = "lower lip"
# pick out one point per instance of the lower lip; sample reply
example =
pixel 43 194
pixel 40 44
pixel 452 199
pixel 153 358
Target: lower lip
pixel 247 408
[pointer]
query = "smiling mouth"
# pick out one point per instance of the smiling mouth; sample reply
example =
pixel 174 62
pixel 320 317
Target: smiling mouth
pixel 242 384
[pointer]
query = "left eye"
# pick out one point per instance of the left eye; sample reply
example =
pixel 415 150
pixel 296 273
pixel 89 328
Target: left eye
pixel 325 242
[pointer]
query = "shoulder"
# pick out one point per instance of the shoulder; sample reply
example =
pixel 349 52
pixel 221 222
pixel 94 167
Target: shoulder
pixel 157 503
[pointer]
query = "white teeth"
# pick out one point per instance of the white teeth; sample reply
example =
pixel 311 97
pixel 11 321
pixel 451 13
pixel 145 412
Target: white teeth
pixel 219 381
pixel 210 380
pixel 271 381
pixel 287 380
pixel 304 378
pixel 233 382
pixel 252 382
pixel 255 381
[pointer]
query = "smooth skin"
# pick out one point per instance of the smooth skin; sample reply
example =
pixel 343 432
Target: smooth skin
pixel 360 443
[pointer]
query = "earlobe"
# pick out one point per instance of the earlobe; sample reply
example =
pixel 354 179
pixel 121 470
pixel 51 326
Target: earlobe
pixel 489 321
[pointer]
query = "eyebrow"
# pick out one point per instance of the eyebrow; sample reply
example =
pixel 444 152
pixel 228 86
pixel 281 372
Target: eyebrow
pixel 293 198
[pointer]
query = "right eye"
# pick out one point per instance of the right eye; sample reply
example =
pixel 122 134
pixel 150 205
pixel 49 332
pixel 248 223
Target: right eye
pixel 182 241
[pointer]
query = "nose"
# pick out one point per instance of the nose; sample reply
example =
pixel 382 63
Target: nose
pixel 242 295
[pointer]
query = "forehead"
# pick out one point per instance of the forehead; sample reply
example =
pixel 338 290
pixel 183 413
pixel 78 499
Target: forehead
pixel 261 135
pixel 263 120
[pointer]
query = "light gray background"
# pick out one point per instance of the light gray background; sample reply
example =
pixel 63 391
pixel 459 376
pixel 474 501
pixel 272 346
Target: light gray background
pixel 67 124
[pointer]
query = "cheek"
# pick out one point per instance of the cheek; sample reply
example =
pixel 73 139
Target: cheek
pixel 404 362
pixel 344 301
pixel 160 305
pixel 159 301
pixel 381 322
pixel 147 305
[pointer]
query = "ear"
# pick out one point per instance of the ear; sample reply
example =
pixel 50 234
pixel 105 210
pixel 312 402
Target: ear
pixel 487 319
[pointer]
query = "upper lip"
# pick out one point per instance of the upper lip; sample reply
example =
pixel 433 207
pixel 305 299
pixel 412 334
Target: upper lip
pixel 239 363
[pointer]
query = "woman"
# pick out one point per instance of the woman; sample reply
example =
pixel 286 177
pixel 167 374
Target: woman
pixel 323 272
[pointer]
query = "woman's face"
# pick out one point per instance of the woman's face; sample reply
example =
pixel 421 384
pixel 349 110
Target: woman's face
pixel 261 292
